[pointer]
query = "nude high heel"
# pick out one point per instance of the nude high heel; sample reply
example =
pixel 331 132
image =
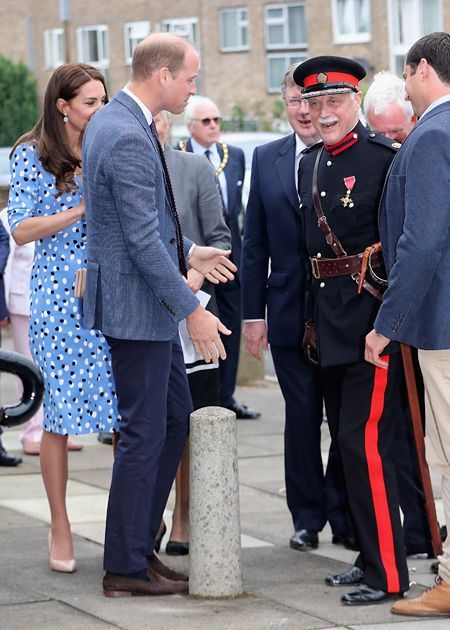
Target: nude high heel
pixel 62 566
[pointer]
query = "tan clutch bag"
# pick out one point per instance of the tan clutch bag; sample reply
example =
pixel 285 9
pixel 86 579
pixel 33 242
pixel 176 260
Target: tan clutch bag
pixel 80 283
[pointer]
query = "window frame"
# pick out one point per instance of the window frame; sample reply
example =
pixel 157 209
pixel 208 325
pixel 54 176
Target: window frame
pixel 128 50
pixel 302 55
pixel 399 50
pixel 104 62
pixel 349 38
pixel 188 21
pixel 50 61
pixel 240 25
pixel 284 21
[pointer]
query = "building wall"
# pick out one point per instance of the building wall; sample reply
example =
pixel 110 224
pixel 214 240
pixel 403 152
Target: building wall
pixel 229 78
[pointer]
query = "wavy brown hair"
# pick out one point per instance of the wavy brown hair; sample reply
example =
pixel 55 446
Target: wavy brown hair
pixel 49 134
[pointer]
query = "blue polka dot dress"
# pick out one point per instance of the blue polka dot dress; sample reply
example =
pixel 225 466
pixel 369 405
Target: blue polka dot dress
pixel 75 362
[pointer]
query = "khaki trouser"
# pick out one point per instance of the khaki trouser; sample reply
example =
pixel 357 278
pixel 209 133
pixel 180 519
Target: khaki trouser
pixel 435 365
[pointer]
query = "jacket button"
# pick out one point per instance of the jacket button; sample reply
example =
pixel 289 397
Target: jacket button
pixel 323 193
pixel 322 284
pixel 172 241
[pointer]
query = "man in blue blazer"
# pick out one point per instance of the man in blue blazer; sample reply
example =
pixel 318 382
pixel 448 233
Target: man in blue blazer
pixel 415 233
pixel 273 234
pixel 136 295
pixel 203 122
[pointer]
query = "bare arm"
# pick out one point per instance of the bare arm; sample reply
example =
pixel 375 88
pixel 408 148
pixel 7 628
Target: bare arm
pixel 34 228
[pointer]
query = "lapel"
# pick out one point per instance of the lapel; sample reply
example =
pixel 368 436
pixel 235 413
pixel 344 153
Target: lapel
pixel 284 165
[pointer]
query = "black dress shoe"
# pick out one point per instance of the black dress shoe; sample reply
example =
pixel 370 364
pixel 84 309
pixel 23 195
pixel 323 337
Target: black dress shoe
pixel 105 438
pixel 349 577
pixel 159 536
pixel 347 540
pixel 8 460
pixel 243 412
pixel 419 552
pixel 365 595
pixel 304 540
pixel 176 548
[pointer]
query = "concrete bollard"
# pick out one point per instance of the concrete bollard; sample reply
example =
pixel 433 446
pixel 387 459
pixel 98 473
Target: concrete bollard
pixel 215 533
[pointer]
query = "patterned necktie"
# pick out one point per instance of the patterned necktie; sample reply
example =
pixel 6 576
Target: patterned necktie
pixel 171 199
pixel 208 154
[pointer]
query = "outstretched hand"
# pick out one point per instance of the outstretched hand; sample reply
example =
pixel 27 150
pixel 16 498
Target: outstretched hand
pixel 213 263
pixel 204 329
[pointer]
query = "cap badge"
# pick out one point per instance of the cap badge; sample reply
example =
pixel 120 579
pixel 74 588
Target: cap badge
pixel 396 145
pixel 322 77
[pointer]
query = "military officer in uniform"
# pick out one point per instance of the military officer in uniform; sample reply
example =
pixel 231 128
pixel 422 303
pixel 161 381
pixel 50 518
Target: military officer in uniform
pixel 340 185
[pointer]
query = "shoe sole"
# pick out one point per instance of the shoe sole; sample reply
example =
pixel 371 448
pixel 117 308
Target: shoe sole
pixel 302 547
pixel 421 614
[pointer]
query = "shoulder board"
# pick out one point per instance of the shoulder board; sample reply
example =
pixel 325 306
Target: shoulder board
pixel 312 148
pixel 385 142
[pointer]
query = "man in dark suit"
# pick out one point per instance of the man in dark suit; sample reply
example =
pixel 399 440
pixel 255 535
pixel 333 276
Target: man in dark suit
pixel 272 235
pixel 340 183
pixel 415 232
pixel 136 295
pixel 203 122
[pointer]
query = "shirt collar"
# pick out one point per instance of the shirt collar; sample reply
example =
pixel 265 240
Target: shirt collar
pixel 145 110
pixel 199 148
pixel 299 145
pixel 439 101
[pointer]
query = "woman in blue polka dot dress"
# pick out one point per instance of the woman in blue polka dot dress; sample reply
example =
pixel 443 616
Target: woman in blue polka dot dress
pixel 46 205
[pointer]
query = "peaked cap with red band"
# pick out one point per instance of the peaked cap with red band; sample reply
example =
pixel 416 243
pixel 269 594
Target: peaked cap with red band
pixel 323 75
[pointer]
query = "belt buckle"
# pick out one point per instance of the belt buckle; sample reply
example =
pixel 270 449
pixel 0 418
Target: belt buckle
pixel 315 268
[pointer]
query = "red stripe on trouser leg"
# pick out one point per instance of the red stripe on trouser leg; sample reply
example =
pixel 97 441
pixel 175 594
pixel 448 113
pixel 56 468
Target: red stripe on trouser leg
pixel 377 484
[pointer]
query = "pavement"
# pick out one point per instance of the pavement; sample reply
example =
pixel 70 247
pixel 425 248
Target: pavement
pixel 284 588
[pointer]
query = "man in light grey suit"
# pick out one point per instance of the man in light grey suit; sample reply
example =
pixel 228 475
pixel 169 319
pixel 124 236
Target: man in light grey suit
pixel 136 296
pixel 415 233
pixel 195 188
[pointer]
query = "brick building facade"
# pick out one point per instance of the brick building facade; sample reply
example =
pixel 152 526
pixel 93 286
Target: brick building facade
pixel 244 45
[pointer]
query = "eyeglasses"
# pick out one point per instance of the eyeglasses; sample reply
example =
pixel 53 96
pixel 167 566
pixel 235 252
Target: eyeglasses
pixel 293 102
pixel 207 121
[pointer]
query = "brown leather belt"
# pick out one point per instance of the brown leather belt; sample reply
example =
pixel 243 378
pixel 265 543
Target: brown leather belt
pixel 343 266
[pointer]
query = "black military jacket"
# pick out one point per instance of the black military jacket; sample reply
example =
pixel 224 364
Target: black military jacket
pixel 342 318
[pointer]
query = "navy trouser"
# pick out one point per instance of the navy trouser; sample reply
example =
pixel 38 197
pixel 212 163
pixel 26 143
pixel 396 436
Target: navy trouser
pixel 154 404
pixel 312 498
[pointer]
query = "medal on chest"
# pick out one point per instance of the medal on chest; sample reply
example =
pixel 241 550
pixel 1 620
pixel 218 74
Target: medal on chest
pixel 347 200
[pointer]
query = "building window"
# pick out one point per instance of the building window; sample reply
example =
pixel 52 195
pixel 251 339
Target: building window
pixel 134 33
pixel 285 26
pixel 410 20
pixel 277 64
pixel 184 27
pixel 93 46
pixel 351 21
pixel 53 48
pixel 234 30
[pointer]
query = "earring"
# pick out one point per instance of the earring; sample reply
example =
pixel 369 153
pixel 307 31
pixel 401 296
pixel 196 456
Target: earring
pixel 66 118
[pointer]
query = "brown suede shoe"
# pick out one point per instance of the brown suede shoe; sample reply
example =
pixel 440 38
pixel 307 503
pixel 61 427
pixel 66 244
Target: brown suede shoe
pixel 435 602
pixel 115 585
pixel 160 568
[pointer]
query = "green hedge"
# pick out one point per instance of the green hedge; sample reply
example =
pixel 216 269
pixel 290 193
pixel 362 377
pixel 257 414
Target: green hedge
pixel 19 104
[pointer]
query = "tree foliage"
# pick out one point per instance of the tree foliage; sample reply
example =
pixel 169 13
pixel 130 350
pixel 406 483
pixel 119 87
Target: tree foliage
pixel 19 104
